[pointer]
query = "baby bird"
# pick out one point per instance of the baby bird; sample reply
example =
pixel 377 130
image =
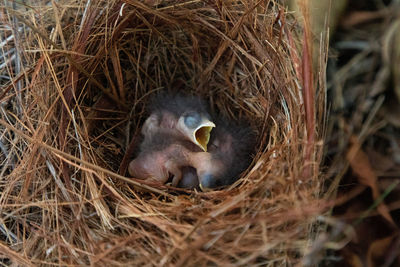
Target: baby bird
pixel 231 146
pixel 175 133
pixel 182 116
pixel 162 155
pixel 182 140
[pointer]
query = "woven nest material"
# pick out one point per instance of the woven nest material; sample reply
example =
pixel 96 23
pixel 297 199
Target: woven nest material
pixel 90 70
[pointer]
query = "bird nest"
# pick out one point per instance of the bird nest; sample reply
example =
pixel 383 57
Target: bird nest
pixel 74 116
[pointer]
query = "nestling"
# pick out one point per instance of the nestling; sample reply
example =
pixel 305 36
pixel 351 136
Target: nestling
pixel 182 140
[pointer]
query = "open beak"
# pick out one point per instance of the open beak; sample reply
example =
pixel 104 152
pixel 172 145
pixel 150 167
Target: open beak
pixel 199 135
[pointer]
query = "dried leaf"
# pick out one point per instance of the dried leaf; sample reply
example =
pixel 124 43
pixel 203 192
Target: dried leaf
pixel 380 162
pixel 361 166
pixel 352 259
pixel 378 250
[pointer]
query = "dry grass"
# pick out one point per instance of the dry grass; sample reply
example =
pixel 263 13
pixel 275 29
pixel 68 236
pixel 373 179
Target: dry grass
pixel 363 151
pixel 69 113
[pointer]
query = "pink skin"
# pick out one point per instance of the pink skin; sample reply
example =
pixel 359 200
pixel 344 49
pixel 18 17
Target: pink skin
pixel 155 124
pixel 159 165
